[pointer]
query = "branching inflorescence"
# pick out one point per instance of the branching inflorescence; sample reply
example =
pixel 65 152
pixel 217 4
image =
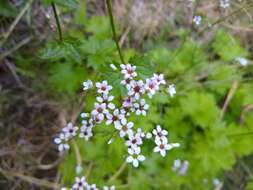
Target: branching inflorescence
pixel 105 110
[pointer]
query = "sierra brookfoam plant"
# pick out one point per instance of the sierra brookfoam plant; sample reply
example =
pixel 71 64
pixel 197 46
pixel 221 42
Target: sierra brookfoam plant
pixel 117 114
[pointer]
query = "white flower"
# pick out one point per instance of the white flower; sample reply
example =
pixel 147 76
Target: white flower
pixel 134 156
pixel 103 87
pixel 128 102
pixel 61 141
pixel 224 4
pixel 160 133
pixel 171 90
pixel 141 108
pixel 128 71
pixel 80 183
pixel 107 100
pixel 159 78
pixel 151 87
pixel 197 20
pixel 99 111
pixel 162 147
pixel 136 89
pixel 91 187
pixel 125 128
pixel 242 61
pixel 85 132
pixel 126 82
pixel 87 85
pixel 115 118
pixel 70 130
pixel 134 140
pixel 109 188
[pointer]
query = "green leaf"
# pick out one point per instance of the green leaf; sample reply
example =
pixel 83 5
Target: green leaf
pixel 69 50
pixel 7 10
pixel 201 107
pixel 80 13
pixel 213 151
pixel 100 27
pixel 65 77
pixel 99 53
pixel 227 47
pixel 143 64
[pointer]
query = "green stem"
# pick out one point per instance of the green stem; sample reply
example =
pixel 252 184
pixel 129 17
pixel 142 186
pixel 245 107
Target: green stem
pixel 57 21
pixel 109 8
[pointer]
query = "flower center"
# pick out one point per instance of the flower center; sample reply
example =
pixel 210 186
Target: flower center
pixel 128 81
pixel 134 141
pixel 124 128
pixel 115 118
pixel 161 146
pixel 103 88
pixel 100 110
pixel 137 89
pixel 129 71
pixel 151 86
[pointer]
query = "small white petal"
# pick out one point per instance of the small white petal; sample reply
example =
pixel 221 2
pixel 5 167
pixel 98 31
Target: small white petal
pixel 129 159
pixel 163 153
pixel 141 157
pixel 156 149
pixel 135 163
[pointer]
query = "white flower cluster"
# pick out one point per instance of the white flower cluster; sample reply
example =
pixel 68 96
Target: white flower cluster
pixel 82 184
pixel 180 167
pixel 66 134
pixel 134 102
pixel 224 4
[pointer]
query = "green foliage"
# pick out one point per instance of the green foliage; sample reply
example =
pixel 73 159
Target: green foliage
pixel 98 53
pixel 99 27
pixel 66 77
pixel 6 10
pixel 201 108
pixel 227 47
pixel 250 185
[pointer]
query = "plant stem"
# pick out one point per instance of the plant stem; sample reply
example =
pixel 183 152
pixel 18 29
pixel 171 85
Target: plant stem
pixel 109 8
pixel 57 21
